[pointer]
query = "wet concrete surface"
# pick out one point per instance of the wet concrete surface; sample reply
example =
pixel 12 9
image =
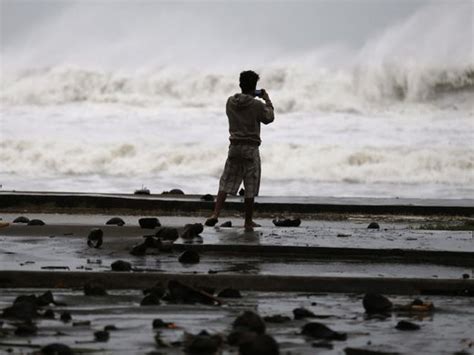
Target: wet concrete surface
pixel 445 330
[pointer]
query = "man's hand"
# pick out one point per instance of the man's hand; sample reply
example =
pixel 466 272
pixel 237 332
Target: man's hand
pixel 264 95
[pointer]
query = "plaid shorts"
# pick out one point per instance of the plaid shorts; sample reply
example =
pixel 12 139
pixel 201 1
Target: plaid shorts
pixel 242 164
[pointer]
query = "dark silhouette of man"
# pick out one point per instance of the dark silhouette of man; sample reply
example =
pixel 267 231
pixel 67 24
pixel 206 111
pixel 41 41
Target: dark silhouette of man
pixel 245 113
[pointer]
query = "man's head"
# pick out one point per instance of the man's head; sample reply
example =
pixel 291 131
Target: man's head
pixel 248 81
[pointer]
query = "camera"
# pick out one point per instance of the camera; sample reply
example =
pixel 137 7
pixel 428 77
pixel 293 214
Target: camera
pixel 258 92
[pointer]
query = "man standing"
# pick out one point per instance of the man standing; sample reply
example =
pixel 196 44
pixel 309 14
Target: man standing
pixel 245 113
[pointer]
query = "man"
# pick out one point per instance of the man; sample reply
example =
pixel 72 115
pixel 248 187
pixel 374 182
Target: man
pixel 245 113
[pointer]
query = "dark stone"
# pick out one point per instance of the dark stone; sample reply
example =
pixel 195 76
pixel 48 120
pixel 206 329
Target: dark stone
pixel 56 349
pixel 376 303
pixel 151 242
pixel 302 313
pixel 417 302
pixel 287 222
pixel 229 293
pixel 121 265
pixel 117 221
pixel 65 317
pixel 176 192
pixel 405 325
pixel 203 343
pixel 465 276
pixel 242 192
pixel 165 245
pixel 323 345
pixel 149 222
pixel 21 219
pixel 320 331
pixel 48 314
pixel 150 300
pixel 207 197
pixel 158 290
pixel 239 336
pixel 139 250
pixel 361 351
pixel 93 289
pixel 159 323
pixel 189 257
pixel 110 328
pixel 181 293
pixel 277 319
pixel 142 191
pixel 261 344
pixel 36 222
pixel 101 336
pixel 95 238
pixel 192 230
pixel 21 310
pixel 249 321
pixel 45 299
pixel 26 329
pixel 227 224
pixel 373 225
pixel 167 233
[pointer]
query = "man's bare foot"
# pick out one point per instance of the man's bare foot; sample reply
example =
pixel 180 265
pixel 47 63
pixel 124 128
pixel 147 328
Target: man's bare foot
pixel 250 226
pixel 211 221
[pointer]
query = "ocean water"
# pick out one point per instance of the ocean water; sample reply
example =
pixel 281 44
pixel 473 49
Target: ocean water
pixel 391 116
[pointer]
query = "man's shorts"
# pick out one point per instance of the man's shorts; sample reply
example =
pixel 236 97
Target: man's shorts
pixel 242 164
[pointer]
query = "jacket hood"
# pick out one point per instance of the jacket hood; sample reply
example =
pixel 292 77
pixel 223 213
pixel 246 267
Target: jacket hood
pixel 241 101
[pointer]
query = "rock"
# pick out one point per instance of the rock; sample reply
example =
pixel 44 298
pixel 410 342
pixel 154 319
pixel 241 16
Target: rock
pixel 286 222
pixel 21 310
pixel 405 325
pixel 121 265
pixel 21 219
pixel 373 225
pixel 139 250
pixel 175 192
pixel 323 345
pixel 26 329
pixel 65 317
pixel 142 191
pixel 249 321
pixel 320 331
pixel 110 328
pixel 277 319
pixel 181 293
pixel 45 299
pixel 361 351
pixel 239 336
pixel 192 230
pixel 48 314
pixel 94 239
pixel 149 222
pixel 261 344
pixel 189 257
pixel 101 336
pixel 242 192
pixel 150 300
pixel 229 293
pixel 227 224
pixel 117 221
pixel 159 324
pixel 207 197
pixel 302 313
pixel 202 343
pixel 376 303
pixel 167 233
pixel 465 276
pixel 165 246
pixel 56 349
pixel 93 289
pixel 36 222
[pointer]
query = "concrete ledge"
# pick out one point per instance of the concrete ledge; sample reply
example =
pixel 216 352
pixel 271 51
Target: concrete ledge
pixel 65 202
pixel 266 283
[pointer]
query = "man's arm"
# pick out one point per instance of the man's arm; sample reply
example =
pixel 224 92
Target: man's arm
pixel 268 114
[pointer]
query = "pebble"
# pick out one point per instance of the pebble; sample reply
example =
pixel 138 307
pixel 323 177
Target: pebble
pixel 229 293
pixel 36 222
pixel 95 238
pixel 249 321
pixel 56 349
pixel 167 233
pixel 149 222
pixel 287 222
pixel 189 257
pixel 227 224
pixel 101 336
pixel 261 344
pixel 373 225
pixel 121 265
pixel 93 289
pixel 405 325
pixel 321 331
pixel 116 221
pixel 302 313
pixel 207 197
pixel 376 303
pixel 21 219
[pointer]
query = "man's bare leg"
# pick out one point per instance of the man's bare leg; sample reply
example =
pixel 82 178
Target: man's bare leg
pixel 249 223
pixel 220 200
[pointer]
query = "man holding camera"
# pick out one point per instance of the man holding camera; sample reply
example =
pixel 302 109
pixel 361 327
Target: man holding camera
pixel 245 113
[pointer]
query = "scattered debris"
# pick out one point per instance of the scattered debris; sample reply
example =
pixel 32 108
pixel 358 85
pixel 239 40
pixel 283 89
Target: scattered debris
pixel 189 257
pixel 321 331
pixel 94 239
pixel 287 222
pixel 36 222
pixel 121 265
pixel 376 303
pixel 21 219
pixel 117 221
pixel 373 225
pixel 406 325
pixel 149 223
